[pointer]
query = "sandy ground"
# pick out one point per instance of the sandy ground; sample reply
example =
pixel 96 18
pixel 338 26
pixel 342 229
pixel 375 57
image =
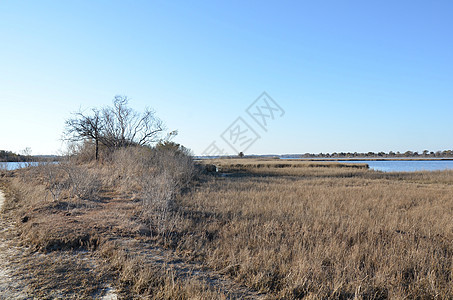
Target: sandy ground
pixel 11 287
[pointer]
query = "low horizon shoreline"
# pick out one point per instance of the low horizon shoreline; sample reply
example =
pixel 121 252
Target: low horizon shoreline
pixel 371 159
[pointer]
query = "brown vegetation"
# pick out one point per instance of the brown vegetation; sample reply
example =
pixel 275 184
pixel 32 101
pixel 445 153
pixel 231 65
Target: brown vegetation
pixel 261 165
pixel 72 207
pixel 329 234
pixel 289 230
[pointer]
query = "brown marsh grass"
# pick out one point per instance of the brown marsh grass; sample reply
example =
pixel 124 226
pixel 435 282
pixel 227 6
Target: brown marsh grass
pixel 323 232
pixel 314 230
pixel 251 165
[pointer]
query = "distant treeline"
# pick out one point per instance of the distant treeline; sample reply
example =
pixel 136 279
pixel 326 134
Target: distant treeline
pixel 424 154
pixel 13 157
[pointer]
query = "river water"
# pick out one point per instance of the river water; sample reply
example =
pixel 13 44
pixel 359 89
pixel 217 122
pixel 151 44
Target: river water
pixel 15 165
pixel 395 165
pixel 408 165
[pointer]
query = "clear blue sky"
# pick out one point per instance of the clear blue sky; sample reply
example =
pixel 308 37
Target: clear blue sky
pixel 350 75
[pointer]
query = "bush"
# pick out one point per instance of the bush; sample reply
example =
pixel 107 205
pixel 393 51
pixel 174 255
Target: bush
pixel 175 159
pixel 157 175
pixel 158 195
pixel 55 178
pixel 83 182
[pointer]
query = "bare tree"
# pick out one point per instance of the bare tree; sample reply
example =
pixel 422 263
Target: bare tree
pixel 115 127
pixel 125 127
pixel 85 127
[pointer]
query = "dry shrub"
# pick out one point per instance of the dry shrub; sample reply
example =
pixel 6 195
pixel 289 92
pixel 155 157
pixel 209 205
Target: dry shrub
pixel 83 181
pixel 157 176
pixel 158 199
pixel 81 152
pixel 174 170
pixel 52 176
pixel 84 152
pixel 65 179
pixel 177 162
pixel 128 165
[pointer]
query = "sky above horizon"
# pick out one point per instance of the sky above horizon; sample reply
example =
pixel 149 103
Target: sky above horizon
pixel 349 76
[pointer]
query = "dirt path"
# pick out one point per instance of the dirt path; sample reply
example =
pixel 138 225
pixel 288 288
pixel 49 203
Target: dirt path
pixel 10 286
pixel 25 274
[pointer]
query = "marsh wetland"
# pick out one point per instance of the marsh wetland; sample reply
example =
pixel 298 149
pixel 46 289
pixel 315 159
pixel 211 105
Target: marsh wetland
pixel 268 230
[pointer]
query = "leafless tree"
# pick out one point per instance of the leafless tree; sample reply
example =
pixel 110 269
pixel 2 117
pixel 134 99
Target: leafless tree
pixel 125 127
pixel 83 127
pixel 115 126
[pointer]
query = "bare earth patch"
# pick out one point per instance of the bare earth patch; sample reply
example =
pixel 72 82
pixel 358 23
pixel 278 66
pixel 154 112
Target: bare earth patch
pixel 27 274
pixel 10 287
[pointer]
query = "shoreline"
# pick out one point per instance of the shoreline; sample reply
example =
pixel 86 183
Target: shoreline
pixel 369 159
pixel 197 158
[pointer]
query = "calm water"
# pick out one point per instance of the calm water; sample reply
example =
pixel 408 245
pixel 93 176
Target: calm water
pixel 404 165
pixel 15 165
pixel 408 166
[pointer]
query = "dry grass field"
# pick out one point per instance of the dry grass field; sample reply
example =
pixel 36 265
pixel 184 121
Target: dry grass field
pixel 327 232
pixel 273 230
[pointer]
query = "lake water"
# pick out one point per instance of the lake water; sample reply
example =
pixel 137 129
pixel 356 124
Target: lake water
pixel 15 165
pixel 392 165
pixel 408 165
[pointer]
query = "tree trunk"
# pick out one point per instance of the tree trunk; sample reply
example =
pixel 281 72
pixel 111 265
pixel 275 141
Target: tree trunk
pixel 97 149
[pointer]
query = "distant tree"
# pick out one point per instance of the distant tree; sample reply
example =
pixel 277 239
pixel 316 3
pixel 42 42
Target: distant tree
pixel 26 152
pixel 8 156
pixel 241 154
pixel 446 153
pixel 408 153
